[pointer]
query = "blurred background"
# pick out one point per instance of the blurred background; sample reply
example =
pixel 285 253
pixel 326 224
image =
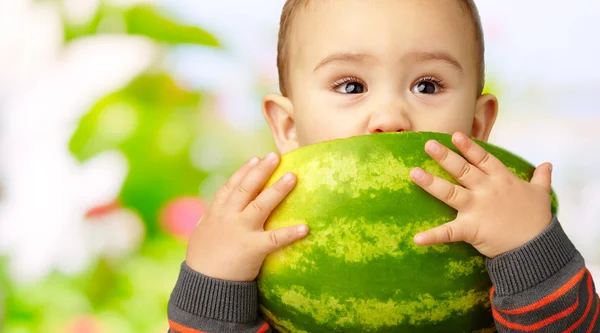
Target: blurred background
pixel 120 118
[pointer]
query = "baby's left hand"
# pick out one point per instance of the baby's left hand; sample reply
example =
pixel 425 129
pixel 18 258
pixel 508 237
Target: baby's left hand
pixel 497 211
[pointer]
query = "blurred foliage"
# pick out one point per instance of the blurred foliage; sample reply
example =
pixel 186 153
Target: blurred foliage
pixel 5 292
pixel 128 295
pixel 157 125
pixel 491 87
pixel 153 122
pixel 141 20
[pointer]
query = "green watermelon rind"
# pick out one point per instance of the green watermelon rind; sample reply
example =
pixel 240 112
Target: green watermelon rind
pixel 350 274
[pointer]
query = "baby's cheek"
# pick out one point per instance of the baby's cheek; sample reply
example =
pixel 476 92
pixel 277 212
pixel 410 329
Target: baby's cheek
pixel 328 126
pixel 321 134
pixel 325 136
pixel 451 126
pixel 312 135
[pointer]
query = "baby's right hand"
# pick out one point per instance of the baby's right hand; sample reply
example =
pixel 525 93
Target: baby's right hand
pixel 230 242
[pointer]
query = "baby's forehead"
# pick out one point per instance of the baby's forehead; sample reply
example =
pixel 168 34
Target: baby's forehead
pixel 376 25
pixel 319 24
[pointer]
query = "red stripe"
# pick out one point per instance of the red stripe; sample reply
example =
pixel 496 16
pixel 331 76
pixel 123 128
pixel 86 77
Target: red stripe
pixel 548 299
pixel 587 308
pixel 263 328
pixel 539 324
pixel 182 329
pixel 593 324
pixel 553 318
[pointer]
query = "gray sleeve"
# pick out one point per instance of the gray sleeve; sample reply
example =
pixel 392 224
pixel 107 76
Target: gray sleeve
pixel 543 286
pixel 200 303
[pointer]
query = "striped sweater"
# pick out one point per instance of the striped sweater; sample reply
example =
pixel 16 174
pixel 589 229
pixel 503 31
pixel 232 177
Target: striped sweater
pixel 542 286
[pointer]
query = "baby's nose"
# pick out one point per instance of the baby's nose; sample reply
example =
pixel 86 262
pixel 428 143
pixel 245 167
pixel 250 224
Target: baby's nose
pixel 386 129
pixel 392 121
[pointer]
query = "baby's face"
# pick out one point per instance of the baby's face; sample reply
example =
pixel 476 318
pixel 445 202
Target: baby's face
pixel 359 67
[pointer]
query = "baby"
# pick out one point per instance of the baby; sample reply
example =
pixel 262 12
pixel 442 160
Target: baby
pixel 355 67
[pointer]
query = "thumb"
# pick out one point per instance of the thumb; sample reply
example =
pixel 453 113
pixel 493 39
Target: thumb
pixel 446 233
pixel 275 239
pixel 542 176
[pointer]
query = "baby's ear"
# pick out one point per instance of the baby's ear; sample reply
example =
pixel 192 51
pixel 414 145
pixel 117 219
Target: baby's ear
pixel 486 111
pixel 279 114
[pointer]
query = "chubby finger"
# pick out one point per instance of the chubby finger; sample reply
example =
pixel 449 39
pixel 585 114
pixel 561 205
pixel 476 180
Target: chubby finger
pixel 446 233
pixel 260 208
pixel 253 182
pixel 273 240
pixel 466 174
pixel 478 156
pixel 233 182
pixel 453 195
pixel 542 176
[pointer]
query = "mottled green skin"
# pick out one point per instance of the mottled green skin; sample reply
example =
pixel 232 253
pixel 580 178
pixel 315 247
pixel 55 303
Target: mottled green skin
pixel 359 270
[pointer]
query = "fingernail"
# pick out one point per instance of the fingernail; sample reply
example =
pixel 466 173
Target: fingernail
pixel 550 167
pixel 459 138
pixel 417 173
pixel 271 157
pixel 302 230
pixel 254 160
pixel 419 239
pixel 433 147
pixel 288 177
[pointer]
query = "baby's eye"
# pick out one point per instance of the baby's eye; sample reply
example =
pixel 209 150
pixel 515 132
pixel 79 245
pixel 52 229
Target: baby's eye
pixel 349 86
pixel 427 86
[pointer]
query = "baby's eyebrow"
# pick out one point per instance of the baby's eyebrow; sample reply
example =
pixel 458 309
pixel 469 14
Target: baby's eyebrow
pixel 421 56
pixel 435 56
pixel 344 57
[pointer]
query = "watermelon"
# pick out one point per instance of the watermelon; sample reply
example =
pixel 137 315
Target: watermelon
pixel 358 270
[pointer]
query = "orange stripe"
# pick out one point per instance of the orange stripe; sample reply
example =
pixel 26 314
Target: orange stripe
pixel 550 319
pixel 548 299
pixel 593 324
pixel 182 329
pixel 263 328
pixel 587 308
pixel 539 324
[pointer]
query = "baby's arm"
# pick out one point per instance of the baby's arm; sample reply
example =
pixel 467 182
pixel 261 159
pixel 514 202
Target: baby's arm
pixel 216 291
pixel 203 304
pixel 544 286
